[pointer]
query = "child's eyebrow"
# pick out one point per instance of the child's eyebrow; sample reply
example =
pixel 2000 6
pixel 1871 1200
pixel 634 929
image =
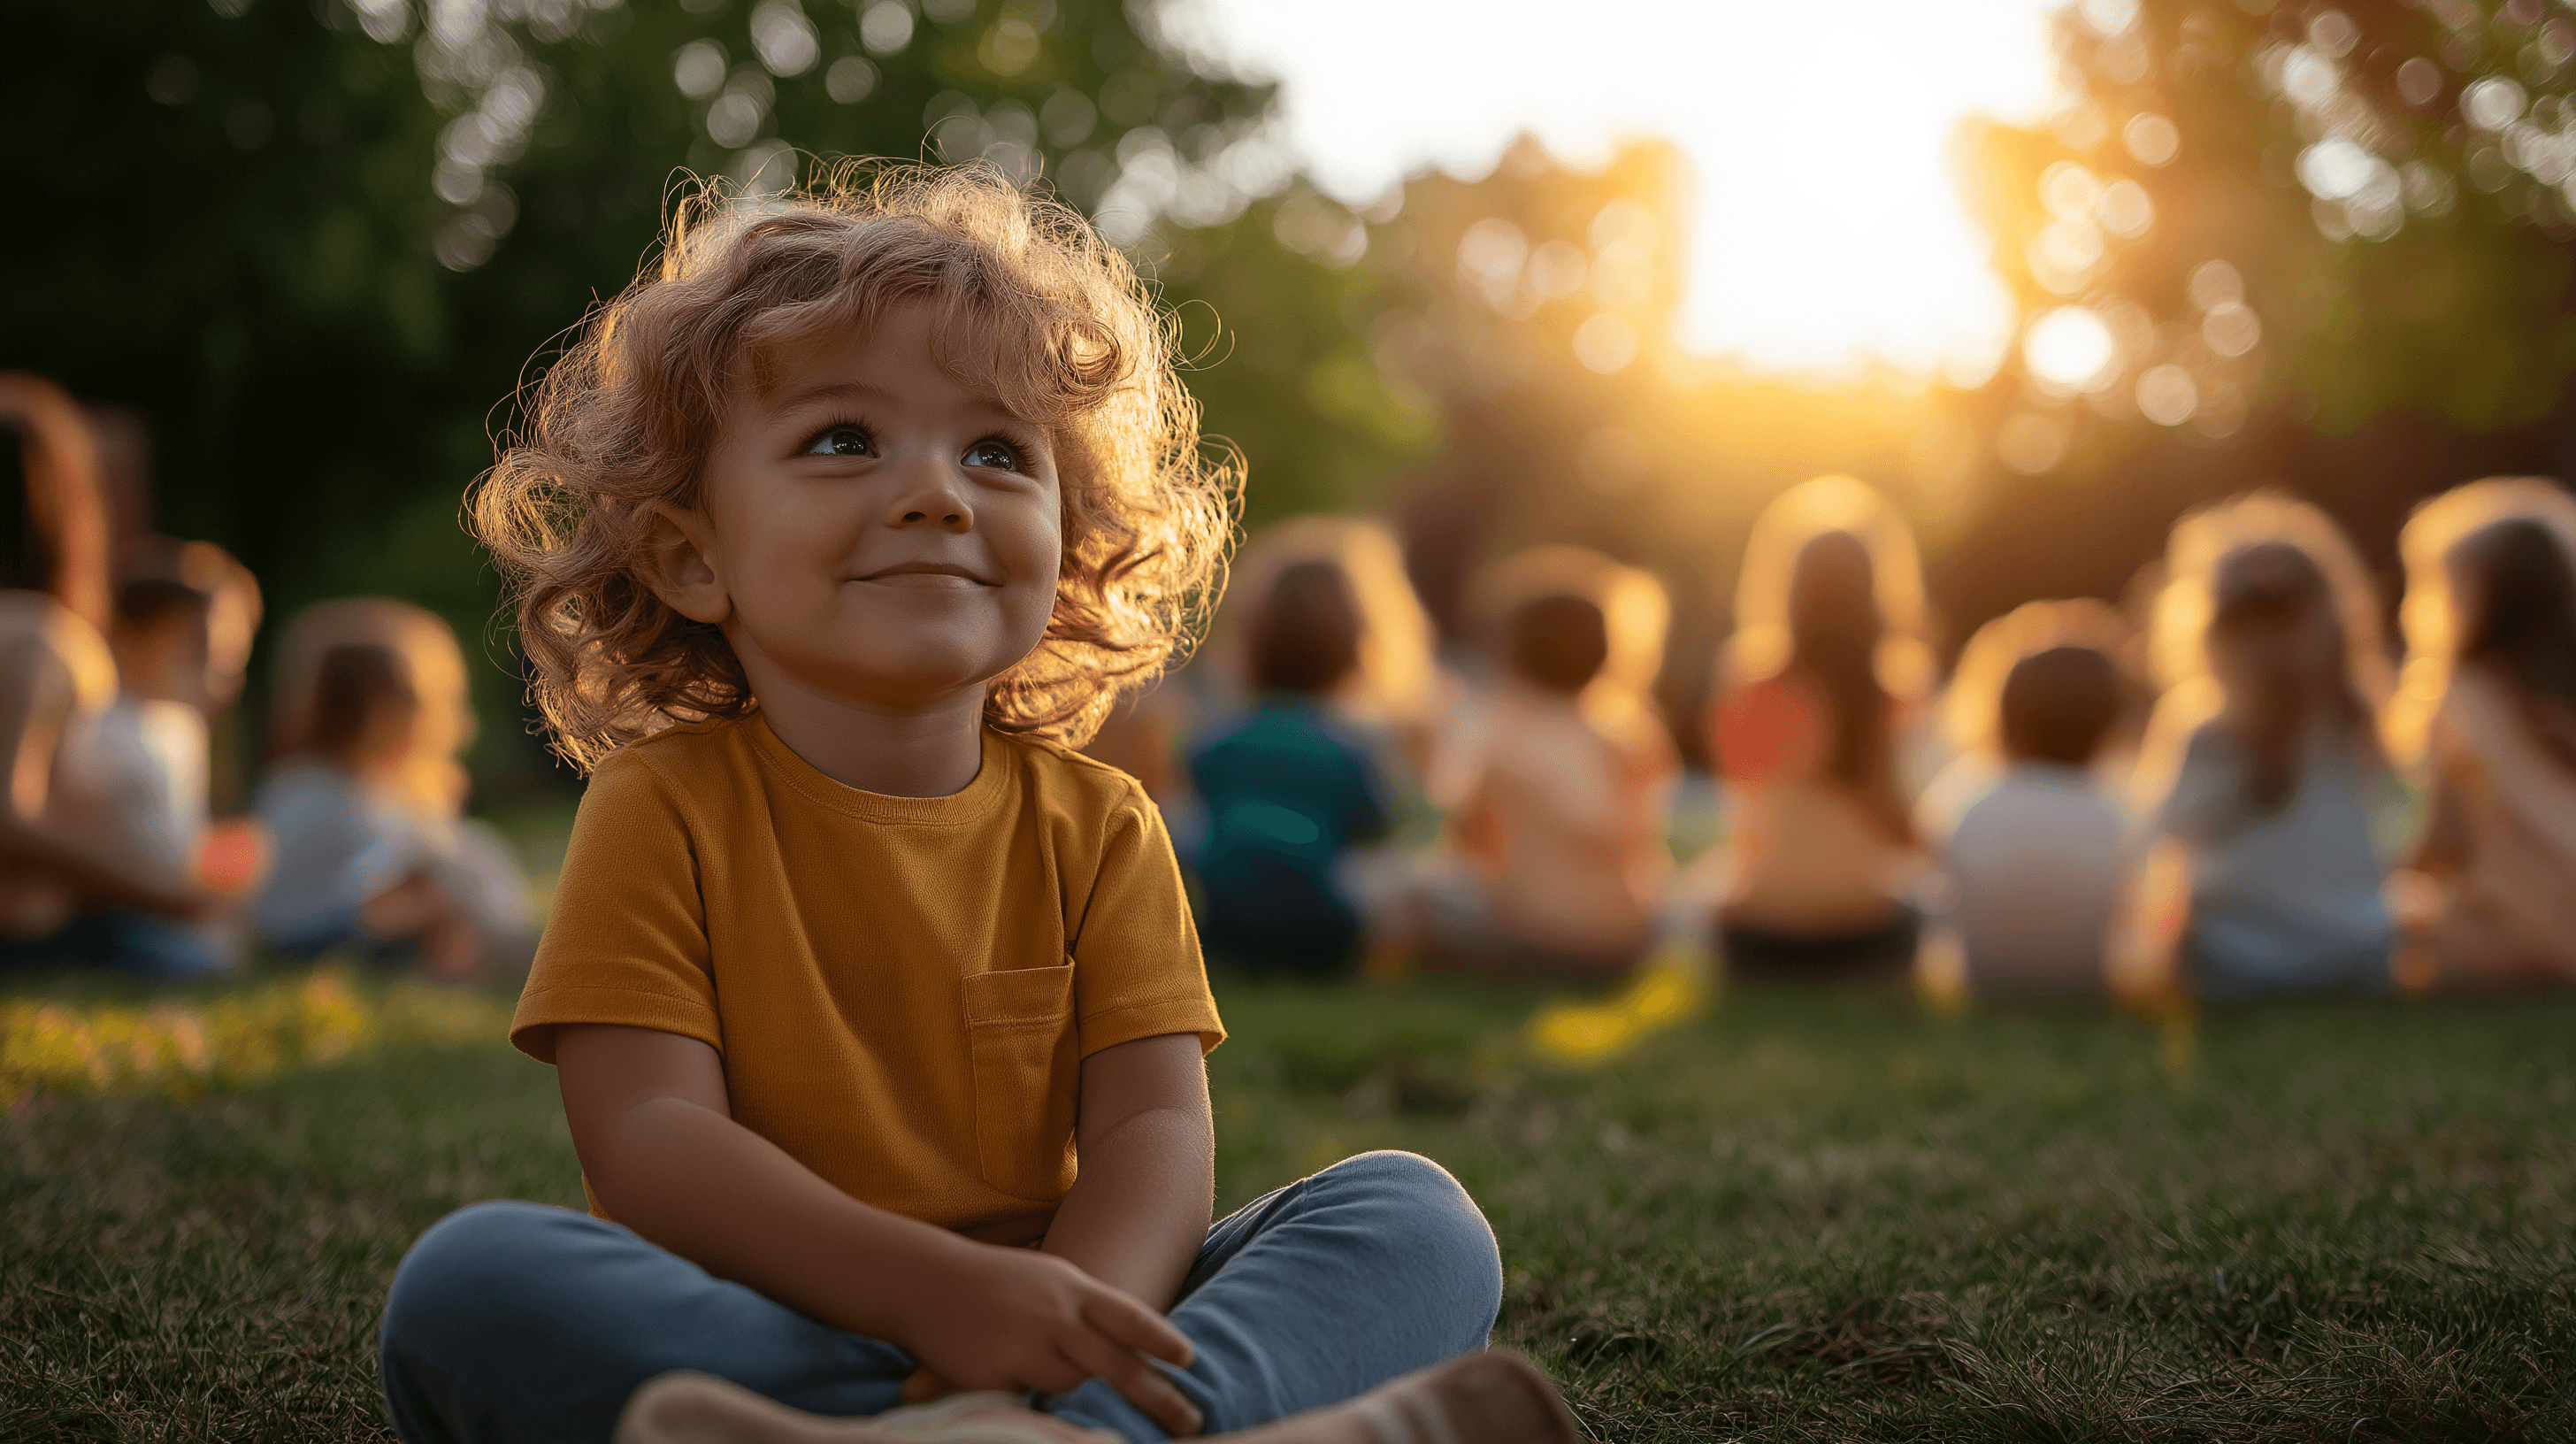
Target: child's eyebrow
pixel 851 392
pixel 828 391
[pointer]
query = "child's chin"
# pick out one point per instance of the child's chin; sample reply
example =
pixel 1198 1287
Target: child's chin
pixel 935 671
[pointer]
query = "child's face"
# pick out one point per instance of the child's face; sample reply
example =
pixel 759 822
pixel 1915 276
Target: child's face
pixel 391 734
pixel 871 530
pixel 164 661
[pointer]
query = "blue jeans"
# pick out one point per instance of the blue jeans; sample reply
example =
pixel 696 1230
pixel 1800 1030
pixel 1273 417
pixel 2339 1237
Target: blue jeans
pixel 515 1321
pixel 142 945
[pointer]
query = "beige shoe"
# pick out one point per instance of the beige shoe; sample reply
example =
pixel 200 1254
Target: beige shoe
pixel 687 1408
pixel 1491 1397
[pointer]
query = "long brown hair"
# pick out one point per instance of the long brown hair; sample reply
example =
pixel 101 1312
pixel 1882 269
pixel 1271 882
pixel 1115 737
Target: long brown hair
pixel 1835 628
pixel 2278 649
pixel 2519 624
pixel 65 510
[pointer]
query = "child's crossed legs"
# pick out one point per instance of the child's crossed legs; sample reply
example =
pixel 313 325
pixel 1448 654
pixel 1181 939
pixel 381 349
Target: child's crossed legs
pixel 513 1321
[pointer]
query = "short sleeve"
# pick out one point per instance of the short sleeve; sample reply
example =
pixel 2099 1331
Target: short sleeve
pixel 1136 966
pixel 627 940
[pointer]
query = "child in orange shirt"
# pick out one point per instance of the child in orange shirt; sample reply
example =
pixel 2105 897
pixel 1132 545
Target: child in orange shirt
pixel 877 1009
pixel 1814 693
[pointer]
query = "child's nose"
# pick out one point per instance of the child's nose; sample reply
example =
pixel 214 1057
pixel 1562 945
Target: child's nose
pixel 934 499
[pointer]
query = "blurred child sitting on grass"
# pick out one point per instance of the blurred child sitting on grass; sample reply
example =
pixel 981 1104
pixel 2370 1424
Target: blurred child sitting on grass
pixel 1388 701
pixel 159 641
pixel 2262 764
pixel 1394 692
pixel 1288 789
pixel 1556 783
pixel 2487 712
pixel 102 862
pixel 358 865
pixel 2035 856
pixel 1814 689
pixel 877 1009
pixel 370 716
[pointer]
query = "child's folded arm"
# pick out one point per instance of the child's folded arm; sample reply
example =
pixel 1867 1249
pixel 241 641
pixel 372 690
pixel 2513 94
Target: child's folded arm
pixel 1140 1208
pixel 658 1142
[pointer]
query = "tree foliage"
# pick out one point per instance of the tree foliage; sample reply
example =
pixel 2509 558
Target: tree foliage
pixel 316 243
pixel 2363 206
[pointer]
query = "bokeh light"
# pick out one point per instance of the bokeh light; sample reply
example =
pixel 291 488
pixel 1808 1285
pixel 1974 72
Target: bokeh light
pixel 2032 442
pixel 1605 342
pixel 2070 347
pixel 2168 394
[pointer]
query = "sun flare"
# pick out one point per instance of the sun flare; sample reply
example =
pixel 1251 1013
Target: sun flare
pixel 1828 228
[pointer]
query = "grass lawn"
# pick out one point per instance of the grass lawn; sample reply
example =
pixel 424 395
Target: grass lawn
pixel 1803 1218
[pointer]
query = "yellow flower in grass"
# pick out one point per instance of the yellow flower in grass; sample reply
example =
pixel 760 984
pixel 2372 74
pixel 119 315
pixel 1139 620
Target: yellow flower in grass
pixel 46 1046
pixel 1672 987
pixel 330 1021
pixel 235 1038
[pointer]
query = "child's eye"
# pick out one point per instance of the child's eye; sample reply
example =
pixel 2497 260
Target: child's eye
pixel 993 455
pixel 842 441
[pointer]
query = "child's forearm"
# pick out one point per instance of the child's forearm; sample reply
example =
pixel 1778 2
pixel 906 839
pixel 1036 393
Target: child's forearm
pixel 99 875
pixel 712 1191
pixel 1139 1212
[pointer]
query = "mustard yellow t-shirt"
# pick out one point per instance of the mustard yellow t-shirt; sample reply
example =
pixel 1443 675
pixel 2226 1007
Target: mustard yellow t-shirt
pixel 902 988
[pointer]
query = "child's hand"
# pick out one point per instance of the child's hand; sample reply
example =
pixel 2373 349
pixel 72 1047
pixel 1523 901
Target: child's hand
pixel 1017 1319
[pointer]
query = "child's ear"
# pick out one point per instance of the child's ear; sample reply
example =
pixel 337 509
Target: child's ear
pixel 681 569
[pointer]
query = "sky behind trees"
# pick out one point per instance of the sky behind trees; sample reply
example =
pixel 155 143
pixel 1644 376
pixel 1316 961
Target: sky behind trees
pixel 1814 135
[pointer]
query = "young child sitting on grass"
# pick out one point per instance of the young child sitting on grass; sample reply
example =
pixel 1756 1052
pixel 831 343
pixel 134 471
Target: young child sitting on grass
pixel 2486 717
pixel 1814 695
pixel 2263 764
pixel 370 717
pixel 2035 852
pixel 1557 782
pixel 877 1010
pixel 1288 789
pixel 93 869
pixel 355 869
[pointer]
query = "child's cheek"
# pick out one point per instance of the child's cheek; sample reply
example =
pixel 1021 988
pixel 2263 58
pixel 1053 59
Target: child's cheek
pixel 1041 611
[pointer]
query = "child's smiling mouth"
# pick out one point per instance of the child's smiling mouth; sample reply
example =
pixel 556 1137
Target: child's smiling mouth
pixel 926 576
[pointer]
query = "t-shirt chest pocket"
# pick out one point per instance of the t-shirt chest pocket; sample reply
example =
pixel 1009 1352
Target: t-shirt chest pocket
pixel 1019 1024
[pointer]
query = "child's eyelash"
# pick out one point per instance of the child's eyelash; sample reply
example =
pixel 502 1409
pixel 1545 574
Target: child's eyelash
pixel 825 433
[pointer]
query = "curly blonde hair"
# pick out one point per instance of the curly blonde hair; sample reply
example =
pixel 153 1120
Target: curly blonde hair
pixel 1027 303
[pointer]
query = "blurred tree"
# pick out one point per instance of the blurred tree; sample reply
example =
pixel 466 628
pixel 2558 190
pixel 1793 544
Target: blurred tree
pixel 1275 312
pixel 317 244
pixel 2365 207
pixel 2319 245
pixel 1529 312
